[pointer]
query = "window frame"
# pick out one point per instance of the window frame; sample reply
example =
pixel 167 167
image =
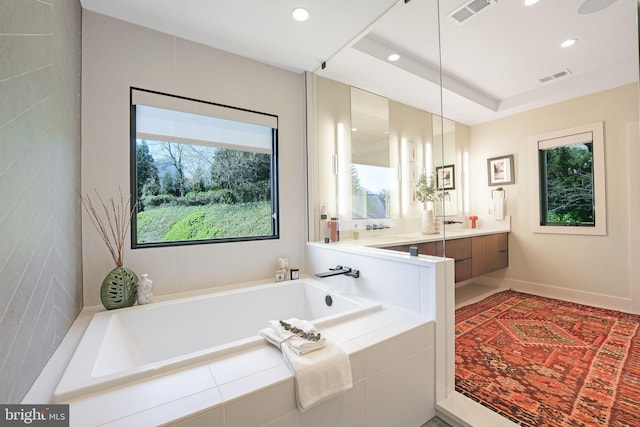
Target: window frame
pixel 275 206
pixel 563 138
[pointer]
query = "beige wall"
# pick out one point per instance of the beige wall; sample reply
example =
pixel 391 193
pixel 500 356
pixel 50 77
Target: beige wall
pixel 596 264
pixel 40 258
pixel 117 55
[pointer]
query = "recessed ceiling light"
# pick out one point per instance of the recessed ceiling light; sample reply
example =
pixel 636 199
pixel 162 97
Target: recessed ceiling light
pixel 393 57
pixel 568 42
pixel 300 14
pixel 530 2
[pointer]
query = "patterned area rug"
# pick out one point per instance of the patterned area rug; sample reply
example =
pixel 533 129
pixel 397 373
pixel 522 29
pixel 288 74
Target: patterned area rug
pixel 545 362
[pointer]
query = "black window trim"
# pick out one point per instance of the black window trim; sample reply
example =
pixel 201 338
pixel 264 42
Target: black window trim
pixel 544 199
pixel 133 178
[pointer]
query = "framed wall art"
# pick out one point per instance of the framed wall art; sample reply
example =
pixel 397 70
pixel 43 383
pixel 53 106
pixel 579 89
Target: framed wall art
pixel 500 170
pixel 445 177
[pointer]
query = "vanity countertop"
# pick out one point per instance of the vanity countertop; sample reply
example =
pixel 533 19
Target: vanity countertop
pixel 379 239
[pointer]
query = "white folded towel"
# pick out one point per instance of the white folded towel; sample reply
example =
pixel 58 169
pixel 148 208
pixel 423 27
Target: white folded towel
pixel 321 369
pixel 497 200
pixel 276 334
pixel 319 375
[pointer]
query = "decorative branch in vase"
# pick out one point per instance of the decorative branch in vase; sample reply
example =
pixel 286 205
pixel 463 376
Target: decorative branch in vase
pixel 427 194
pixel 119 288
pixel 426 189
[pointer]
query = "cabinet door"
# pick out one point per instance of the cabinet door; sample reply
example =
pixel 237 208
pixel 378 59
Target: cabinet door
pixel 463 269
pixel 427 248
pixel 460 251
pixel 478 255
pixel 455 248
pixel 497 251
pixel 489 253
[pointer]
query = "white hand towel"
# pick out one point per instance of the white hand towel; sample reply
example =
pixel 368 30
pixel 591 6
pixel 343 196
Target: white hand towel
pixel 319 375
pixel 497 199
pixel 298 344
pixel 271 336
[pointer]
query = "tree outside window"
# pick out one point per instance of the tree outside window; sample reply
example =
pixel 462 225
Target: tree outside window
pixel 201 178
pixel 568 181
pixel 567 185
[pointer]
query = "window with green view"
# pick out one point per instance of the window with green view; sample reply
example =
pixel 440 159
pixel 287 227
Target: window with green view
pixel 567 185
pixel 569 178
pixel 202 172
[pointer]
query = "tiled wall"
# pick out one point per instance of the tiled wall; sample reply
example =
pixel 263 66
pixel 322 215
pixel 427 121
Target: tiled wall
pixel 40 246
pixel 117 55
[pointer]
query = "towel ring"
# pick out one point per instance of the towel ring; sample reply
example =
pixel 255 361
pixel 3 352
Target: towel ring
pixel 499 189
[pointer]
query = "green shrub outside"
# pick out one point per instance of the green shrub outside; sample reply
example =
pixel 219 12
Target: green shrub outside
pixel 218 221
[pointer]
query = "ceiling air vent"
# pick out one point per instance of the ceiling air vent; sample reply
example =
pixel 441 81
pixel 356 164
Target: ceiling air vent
pixel 564 73
pixel 469 10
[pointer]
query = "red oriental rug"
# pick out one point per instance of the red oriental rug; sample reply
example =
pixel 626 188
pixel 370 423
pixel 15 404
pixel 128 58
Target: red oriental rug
pixel 545 362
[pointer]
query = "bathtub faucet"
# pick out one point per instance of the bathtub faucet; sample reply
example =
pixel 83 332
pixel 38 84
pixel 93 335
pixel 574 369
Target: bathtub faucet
pixel 347 271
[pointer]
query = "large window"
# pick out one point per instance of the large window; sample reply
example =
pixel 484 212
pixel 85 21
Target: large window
pixel 570 179
pixel 201 172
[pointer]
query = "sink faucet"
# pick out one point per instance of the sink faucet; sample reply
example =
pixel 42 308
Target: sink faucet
pixel 347 271
pixel 376 226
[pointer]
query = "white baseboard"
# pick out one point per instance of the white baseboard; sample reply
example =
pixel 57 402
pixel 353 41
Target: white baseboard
pixel 571 295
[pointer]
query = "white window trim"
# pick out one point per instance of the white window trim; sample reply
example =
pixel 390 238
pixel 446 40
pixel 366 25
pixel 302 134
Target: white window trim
pixel 543 141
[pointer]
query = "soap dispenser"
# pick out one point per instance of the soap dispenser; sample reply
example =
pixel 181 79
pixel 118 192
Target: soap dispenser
pixel 145 290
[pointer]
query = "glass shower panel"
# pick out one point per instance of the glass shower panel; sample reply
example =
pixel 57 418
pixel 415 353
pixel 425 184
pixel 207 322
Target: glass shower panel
pixel 380 66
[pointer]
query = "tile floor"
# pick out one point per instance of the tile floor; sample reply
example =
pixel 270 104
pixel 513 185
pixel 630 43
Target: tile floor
pixel 473 292
pixel 464 295
pixel 436 422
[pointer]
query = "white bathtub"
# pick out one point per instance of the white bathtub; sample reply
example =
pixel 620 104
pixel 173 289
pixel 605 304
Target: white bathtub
pixel 122 345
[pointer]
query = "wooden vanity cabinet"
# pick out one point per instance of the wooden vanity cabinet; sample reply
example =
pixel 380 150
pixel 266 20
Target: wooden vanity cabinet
pixel 489 253
pixel 460 251
pixel 474 256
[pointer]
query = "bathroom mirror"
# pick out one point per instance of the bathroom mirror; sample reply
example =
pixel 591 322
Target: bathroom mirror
pixel 445 160
pixel 366 153
pixel 365 149
pixel 372 178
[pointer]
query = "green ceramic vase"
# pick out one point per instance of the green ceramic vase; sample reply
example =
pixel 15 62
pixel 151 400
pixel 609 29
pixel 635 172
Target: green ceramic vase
pixel 119 289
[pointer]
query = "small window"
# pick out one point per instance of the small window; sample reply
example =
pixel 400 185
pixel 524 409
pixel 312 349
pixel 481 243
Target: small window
pixel 570 181
pixel 201 172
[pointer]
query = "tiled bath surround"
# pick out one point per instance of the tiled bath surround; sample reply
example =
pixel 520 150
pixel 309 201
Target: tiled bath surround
pixel 40 250
pixel 391 355
pixel 392 351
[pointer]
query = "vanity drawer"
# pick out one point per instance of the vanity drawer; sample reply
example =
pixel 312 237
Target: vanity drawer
pixel 427 248
pixel 463 269
pixel 456 248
